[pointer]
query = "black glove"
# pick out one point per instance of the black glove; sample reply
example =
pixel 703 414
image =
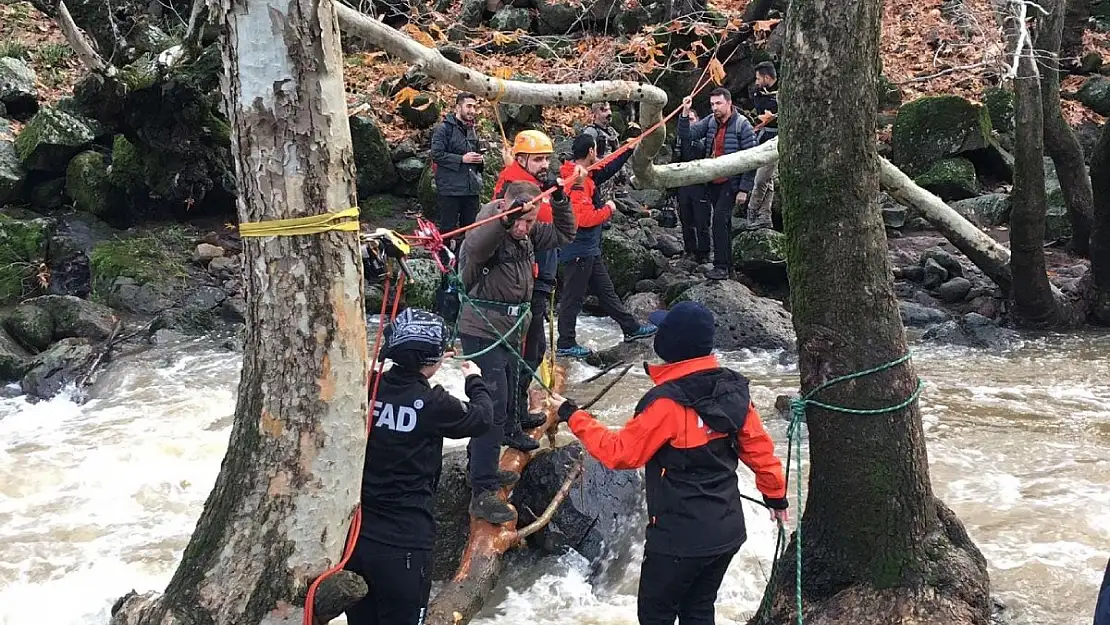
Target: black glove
pixel 552 182
pixel 776 504
pixel 566 410
pixel 634 130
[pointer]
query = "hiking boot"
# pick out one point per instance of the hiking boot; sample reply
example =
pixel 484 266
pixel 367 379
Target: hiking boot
pixel 530 420
pixel 574 351
pixel 521 441
pixel 645 331
pixel 717 273
pixel 488 506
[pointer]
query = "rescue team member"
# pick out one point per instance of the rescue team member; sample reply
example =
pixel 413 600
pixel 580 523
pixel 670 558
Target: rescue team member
pixel 584 269
pixel 458 164
pixel 689 430
pixel 725 131
pixel 404 455
pixel 531 163
pixel 498 259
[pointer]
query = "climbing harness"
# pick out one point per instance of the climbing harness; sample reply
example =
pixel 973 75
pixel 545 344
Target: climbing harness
pixel 798 407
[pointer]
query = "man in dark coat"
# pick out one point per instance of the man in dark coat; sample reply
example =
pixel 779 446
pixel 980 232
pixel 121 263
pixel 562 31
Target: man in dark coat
pixel 458 163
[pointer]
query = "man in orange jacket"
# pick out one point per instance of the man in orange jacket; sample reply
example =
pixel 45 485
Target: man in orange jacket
pixel 689 431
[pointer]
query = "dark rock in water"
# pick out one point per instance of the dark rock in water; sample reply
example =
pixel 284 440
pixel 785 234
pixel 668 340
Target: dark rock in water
pixel 935 274
pixel 452 514
pixel 955 290
pixel 973 330
pixel 18 94
pixel 14 360
pixel 599 519
pixel 646 286
pixel 915 315
pixel 31 326
pixel 628 261
pixel 744 320
pixel 58 366
pixel 624 351
pixel 643 304
pixel 944 259
pixel 75 317
pixel 201 312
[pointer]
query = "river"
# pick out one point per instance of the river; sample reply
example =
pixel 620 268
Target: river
pixel 100 498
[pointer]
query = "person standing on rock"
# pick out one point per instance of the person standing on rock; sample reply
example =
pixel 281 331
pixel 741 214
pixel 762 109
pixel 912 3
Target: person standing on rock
pixel 584 269
pixel 690 432
pixel 607 140
pixel 726 131
pixel 498 265
pixel 404 456
pixel 531 163
pixel 766 103
pixel 693 207
pixel 458 163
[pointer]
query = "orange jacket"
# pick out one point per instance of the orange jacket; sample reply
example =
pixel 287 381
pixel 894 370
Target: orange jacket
pixel 515 173
pixel 693 497
pixel 581 195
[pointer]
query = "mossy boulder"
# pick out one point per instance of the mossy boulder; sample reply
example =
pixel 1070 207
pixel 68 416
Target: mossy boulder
pixel 1057 225
pixel 992 209
pixel 30 326
pixel 14 360
pixel 628 261
pixel 421 290
pixel 373 163
pixel 18 94
pixel 62 364
pixel 950 179
pixel 87 182
pixel 154 257
pixel 761 254
pixel 933 128
pixel 556 17
pixel 743 319
pixel 1095 94
pixel 510 19
pixel 12 174
pixel 52 138
pixel 74 317
pixel 421 112
pixel 23 244
pixel 890 96
pixel 426 194
pixel 1000 105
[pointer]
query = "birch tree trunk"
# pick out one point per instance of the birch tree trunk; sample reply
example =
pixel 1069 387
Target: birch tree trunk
pixel 1100 233
pixel 895 553
pixel 1059 139
pixel 281 507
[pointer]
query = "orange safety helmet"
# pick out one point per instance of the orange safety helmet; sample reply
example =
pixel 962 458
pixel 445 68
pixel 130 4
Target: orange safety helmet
pixel 532 142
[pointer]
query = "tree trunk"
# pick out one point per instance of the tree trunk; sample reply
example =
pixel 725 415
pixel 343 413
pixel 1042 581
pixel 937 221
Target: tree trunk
pixel 1075 22
pixel 895 549
pixel 1100 234
pixel 281 507
pixel 1059 140
pixel 1034 303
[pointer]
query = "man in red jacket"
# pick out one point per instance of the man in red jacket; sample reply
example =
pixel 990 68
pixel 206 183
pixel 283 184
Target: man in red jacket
pixel 689 431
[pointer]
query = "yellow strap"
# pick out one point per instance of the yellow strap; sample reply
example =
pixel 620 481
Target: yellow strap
pixel 315 224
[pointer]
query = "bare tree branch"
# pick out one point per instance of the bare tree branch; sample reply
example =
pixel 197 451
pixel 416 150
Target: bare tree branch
pixel 81 43
pixel 556 501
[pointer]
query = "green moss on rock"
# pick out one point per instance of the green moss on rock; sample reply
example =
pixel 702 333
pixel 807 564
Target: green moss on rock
pixel 51 138
pixel 628 261
pixel 950 179
pixel 421 290
pixel 31 326
pixel 373 163
pixel 933 128
pixel 426 194
pixel 159 256
pixel 87 182
pixel 1000 105
pixel 12 174
pixel 22 250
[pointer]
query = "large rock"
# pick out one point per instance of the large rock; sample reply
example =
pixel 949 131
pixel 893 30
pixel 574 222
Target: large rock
pixel 87 182
pixel 601 520
pixel 973 330
pixel 420 291
pixel 1095 93
pixel 950 179
pixel 12 174
pixel 557 17
pixel 373 164
pixel 75 317
pixel 452 515
pixel 933 128
pixel 628 261
pixel 52 138
pixel 761 254
pixel 23 244
pixel 634 15
pixel 14 360
pixel 30 326
pixel 917 315
pixel 201 312
pixel 1000 104
pixel 744 320
pixel 18 94
pixel 640 305
pixel 511 19
pixel 57 367
pixel 992 209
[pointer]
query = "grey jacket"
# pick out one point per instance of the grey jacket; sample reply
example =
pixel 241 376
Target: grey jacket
pixel 739 136
pixel 496 267
pixel 450 140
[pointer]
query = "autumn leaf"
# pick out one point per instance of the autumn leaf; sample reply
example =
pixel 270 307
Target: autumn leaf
pixel 406 95
pixel 693 58
pixel 424 38
pixel 764 26
pixel 440 35
pixel 716 72
pixel 502 39
pixel 698 44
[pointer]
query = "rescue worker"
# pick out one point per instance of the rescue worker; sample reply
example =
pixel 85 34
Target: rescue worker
pixel 725 131
pixel 693 208
pixel 584 269
pixel 498 261
pixel 690 431
pixel 531 163
pixel 766 105
pixel 607 140
pixel 404 456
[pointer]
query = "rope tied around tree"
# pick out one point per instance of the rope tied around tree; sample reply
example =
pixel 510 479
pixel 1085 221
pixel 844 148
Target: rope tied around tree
pixel 798 407
pixel 343 221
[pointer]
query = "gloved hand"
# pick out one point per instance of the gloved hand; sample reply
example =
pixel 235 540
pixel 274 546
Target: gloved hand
pixel 634 130
pixel 566 408
pixel 553 182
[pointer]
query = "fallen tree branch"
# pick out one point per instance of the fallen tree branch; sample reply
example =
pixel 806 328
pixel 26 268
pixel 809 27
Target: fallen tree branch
pixel 105 348
pixel 81 43
pixel 597 375
pixel 547 515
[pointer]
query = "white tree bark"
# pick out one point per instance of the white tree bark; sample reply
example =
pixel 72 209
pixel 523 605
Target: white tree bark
pixel 283 502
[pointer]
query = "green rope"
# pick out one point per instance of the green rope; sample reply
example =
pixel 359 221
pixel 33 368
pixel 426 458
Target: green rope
pixel 794 448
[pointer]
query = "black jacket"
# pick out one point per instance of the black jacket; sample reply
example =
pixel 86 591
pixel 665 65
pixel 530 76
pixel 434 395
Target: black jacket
pixel 450 140
pixel 766 99
pixel 404 454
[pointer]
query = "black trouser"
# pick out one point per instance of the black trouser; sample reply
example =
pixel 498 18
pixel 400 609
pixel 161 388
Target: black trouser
pixel 535 344
pixel 581 277
pixel 399 580
pixel 723 198
pixel 693 211
pixel 456 211
pixel 672 586
pixel 499 372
